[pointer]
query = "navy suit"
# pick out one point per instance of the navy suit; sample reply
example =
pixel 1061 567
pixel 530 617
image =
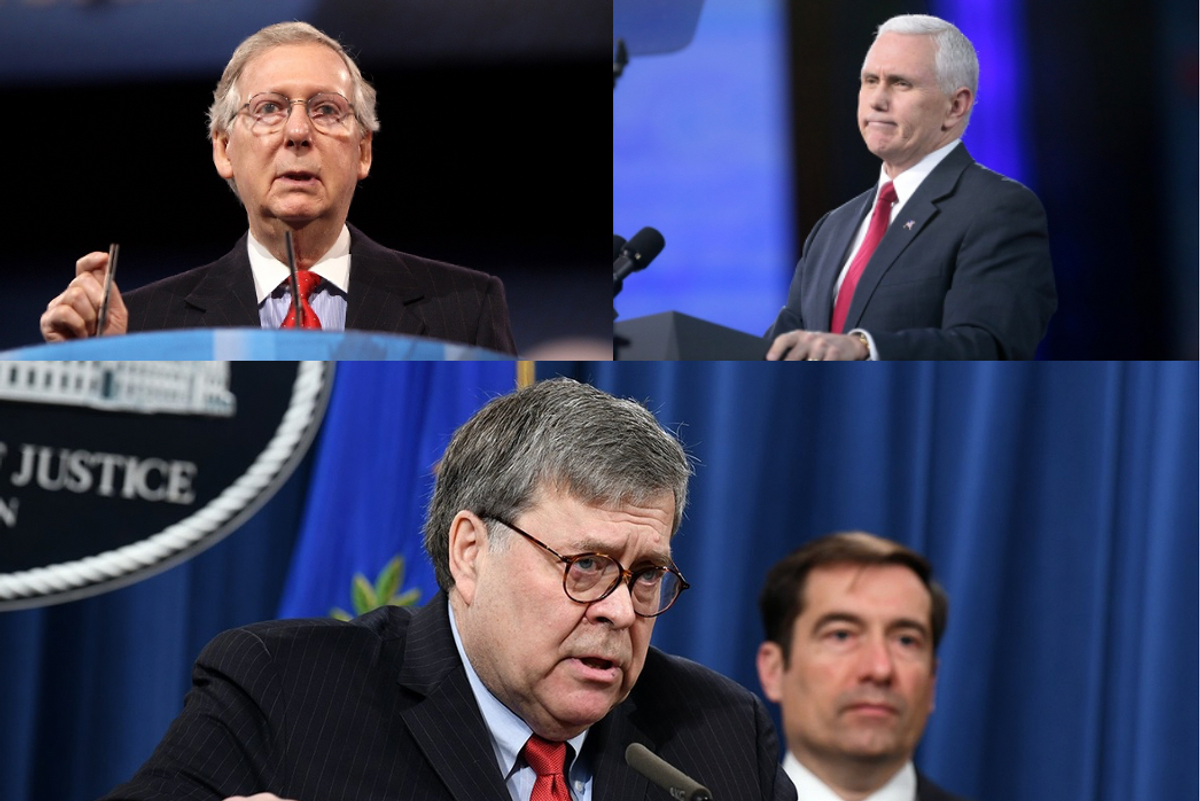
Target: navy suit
pixel 381 708
pixel 390 291
pixel 928 791
pixel 963 272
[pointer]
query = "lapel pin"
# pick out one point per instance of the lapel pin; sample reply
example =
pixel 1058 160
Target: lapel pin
pixel 908 225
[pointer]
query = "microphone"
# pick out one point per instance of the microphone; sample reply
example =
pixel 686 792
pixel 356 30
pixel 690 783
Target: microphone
pixel 291 257
pixel 636 255
pixel 618 243
pixel 680 786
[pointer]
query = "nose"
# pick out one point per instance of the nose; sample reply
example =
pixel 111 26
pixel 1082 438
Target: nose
pixel 615 609
pixel 298 128
pixel 877 96
pixel 876 661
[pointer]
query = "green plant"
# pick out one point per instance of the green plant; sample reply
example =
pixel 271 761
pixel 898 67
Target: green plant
pixel 384 592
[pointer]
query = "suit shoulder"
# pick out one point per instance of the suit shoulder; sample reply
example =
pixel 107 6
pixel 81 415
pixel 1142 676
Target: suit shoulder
pixel 430 270
pixel 928 791
pixel 669 680
pixel 278 636
pixel 977 175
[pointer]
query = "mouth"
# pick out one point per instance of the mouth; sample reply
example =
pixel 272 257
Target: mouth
pixel 597 668
pixel 298 178
pixel 872 710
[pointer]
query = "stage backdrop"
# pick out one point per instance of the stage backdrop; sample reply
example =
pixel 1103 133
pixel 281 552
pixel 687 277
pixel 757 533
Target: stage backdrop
pixel 1057 502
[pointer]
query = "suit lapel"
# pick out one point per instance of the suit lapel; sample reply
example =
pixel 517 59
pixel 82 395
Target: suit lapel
pixel 612 778
pixel 920 209
pixel 383 290
pixel 226 294
pixel 447 725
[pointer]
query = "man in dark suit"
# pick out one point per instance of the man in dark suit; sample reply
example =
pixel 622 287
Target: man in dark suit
pixel 529 674
pixel 295 171
pixel 852 626
pixel 943 259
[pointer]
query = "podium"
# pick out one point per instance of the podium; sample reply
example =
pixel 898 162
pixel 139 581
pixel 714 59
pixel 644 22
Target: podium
pixel 256 344
pixel 672 336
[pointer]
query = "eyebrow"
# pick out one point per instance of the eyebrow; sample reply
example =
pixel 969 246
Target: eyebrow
pixel 901 623
pixel 595 546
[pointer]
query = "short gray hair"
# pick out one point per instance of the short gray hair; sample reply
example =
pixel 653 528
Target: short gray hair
pixel 227 101
pixel 955 63
pixel 556 434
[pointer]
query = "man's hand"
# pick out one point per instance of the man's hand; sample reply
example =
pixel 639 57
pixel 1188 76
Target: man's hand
pixel 259 797
pixel 73 314
pixel 816 346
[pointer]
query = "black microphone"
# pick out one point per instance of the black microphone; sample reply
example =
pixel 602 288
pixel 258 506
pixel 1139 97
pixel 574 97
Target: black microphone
pixel 636 255
pixel 677 783
pixel 618 243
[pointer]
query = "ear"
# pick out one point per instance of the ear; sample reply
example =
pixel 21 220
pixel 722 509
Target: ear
pixel 364 155
pixel 960 104
pixel 224 165
pixel 933 687
pixel 770 670
pixel 468 545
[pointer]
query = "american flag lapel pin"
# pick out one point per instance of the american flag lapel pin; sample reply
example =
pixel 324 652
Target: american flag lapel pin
pixel 908 225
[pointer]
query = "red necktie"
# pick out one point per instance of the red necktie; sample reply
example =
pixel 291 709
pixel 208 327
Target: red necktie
pixel 875 230
pixel 547 758
pixel 306 281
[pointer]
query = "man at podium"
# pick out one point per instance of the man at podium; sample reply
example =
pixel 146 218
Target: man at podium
pixel 291 125
pixel 943 258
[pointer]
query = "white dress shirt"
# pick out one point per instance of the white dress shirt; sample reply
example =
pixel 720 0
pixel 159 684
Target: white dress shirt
pixel 901 787
pixel 329 299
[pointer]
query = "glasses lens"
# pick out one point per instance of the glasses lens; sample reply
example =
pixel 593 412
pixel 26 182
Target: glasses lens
pixel 268 109
pixel 654 590
pixel 591 576
pixel 328 111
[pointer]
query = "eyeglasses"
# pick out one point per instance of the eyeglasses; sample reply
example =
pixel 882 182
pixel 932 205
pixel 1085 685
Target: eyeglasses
pixel 269 111
pixel 591 577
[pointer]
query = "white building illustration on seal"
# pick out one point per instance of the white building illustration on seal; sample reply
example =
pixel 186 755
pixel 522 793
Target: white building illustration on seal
pixel 189 388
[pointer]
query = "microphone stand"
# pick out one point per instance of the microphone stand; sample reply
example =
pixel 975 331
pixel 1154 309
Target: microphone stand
pixel 619 62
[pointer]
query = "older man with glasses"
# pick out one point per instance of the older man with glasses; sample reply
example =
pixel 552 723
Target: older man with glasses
pixel 295 171
pixel 526 678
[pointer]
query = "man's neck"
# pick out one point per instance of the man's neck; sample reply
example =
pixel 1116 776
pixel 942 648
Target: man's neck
pixel 309 242
pixel 851 779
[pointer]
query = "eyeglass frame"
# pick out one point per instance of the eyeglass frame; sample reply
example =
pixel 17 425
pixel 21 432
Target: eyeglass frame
pixel 624 576
pixel 291 102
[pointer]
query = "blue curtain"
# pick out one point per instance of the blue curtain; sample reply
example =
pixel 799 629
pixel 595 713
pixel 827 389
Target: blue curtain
pixel 1058 503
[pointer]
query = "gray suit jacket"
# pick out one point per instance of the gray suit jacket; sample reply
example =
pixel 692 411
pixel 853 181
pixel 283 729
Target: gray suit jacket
pixel 381 708
pixel 963 272
pixel 394 292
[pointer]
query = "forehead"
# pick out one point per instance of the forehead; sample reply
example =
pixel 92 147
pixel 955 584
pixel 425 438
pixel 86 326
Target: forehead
pixel 606 526
pixel 295 68
pixel 901 53
pixel 873 592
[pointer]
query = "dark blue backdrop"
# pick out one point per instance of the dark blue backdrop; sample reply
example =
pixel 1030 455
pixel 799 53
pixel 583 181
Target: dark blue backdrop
pixel 1058 503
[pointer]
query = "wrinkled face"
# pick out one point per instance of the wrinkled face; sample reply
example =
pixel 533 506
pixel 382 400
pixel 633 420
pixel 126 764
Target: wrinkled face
pixel 298 174
pixel 859 683
pixel 903 114
pixel 559 665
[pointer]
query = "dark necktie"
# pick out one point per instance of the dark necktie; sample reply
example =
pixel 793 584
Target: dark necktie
pixel 306 281
pixel 875 230
pixel 547 759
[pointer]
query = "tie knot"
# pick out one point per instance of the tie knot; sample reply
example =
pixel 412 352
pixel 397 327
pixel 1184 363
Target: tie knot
pixel 887 194
pixel 545 757
pixel 306 281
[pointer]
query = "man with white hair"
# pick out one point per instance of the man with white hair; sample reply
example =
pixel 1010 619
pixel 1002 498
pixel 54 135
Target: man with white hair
pixel 943 258
pixel 294 170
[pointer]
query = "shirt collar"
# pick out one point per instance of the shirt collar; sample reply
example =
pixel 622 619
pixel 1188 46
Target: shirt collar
pixel 509 732
pixel 269 272
pixel 901 787
pixel 906 183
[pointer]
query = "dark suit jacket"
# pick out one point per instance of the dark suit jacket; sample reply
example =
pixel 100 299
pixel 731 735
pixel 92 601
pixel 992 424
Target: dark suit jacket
pixel 389 291
pixel 380 708
pixel 928 791
pixel 969 278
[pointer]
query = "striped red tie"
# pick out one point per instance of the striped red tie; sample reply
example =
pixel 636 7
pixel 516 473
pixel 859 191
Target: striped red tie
pixel 547 759
pixel 306 281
